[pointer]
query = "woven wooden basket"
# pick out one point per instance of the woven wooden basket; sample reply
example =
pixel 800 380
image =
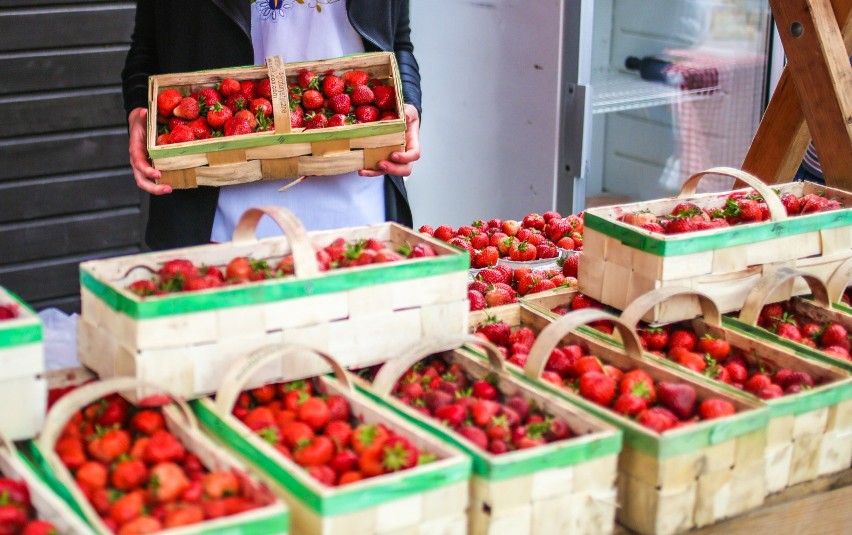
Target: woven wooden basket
pixel 21 366
pixel 427 499
pixel 285 152
pixel 182 341
pixel 621 262
pixel 687 477
pixel 564 487
pixel 809 433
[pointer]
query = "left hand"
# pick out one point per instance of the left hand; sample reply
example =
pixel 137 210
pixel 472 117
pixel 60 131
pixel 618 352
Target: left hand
pixel 401 163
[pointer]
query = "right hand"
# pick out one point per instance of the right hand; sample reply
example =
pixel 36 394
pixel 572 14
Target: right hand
pixel 143 172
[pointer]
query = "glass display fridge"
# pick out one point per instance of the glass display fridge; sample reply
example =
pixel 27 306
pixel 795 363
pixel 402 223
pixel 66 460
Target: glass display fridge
pixel 564 104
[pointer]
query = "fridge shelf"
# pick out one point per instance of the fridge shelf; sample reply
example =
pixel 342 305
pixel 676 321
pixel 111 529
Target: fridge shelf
pixel 618 91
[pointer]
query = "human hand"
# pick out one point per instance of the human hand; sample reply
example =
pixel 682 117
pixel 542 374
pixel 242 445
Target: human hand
pixel 143 172
pixel 401 163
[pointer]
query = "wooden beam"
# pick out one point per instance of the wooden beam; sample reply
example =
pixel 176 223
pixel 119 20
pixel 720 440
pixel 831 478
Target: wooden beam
pixel 783 135
pixel 819 65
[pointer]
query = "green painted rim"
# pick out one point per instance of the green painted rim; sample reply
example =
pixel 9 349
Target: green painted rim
pixel 272 290
pixel 671 444
pixel 842 307
pixel 342 501
pixel 258 526
pixel 799 349
pixel 12 335
pixel 511 465
pixel 262 140
pixel 717 239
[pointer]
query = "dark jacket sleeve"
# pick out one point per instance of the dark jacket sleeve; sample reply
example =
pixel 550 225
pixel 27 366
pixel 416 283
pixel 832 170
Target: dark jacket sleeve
pixel 409 70
pixel 141 58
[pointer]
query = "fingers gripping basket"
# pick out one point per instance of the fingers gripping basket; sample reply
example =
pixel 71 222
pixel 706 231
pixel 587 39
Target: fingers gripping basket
pixel 21 366
pixel 621 262
pixel 182 341
pixel 807 435
pixel 284 152
pixel 563 487
pixel 269 516
pixel 686 477
pixel 430 498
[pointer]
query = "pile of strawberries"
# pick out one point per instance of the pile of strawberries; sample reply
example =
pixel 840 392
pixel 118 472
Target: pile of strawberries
pixel 660 406
pixel 17 515
pixel 8 311
pixel 715 358
pixel 328 100
pixel 831 338
pixel 476 409
pixel 236 107
pixel 137 475
pixel 536 237
pixel 232 108
pixel 320 434
pixel 739 208
pixel 502 285
pixel 182 275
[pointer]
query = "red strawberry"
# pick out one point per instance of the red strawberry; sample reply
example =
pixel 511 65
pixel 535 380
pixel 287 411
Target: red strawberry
pixel 483 411
pixel 789 331
pixel 308 79
pixel 218 114
pixel 385 97
pixel 737 372
pixel 340 103
pixel 181 134
pixel 229 86
pixel 209 97
pixel 476 299
pixel 475 435
pixel 264 88
pixel 339 119
pixel 812 203
pixel 684 339
pixel 658 419
pixel 679 226
pixel 717 348
pixel 316 120
pixel 678 398
pixel 630 404
pixel 297 117
pixel 355 78
pixel 332 85
pixel 655 338
pixel 597 387
pixel 261 105
pixel 200 128
pixel 498 332
pixel 498 296
pixel 453 415
pixel 362 95
pixel 712 408
pixel 187 109
pixel 757 382
pixel 486 257
pixel 791 203
pixel 366 114
pixel 236 126
pixel 167 100
pixel 835 334
pixel 312 99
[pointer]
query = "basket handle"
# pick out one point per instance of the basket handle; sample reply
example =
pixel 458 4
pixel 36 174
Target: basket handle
pixel 757 297
pixel 550 336
pixel 839 280
pixel 392 370
pixel 777 212
pixel 633 313
pixel 304 257
pixel 280 95
pixel 237 377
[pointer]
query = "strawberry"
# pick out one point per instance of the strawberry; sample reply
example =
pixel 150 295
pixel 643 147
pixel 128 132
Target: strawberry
pixel 498 332
pixel 297 117
pixel 187 109
pixel 677 397
pixel 264 88
pixel 181 134
pixel 366 114
pixel 236 126
pixel 163 447
pixel 571 265
pixel 655 338
pixel 690 360
pixel 109 445
pixel 658 419
pixel 486 257
pixel 314 412
pixel 128 475
pixel 582 301
pixel 682 338
pixel 260 105
pixel 630 404
pixel 315 120
pixel 218 114
pixel 812 203
pixel 452 415
pixel 208 97
pixel 475 435
pixel 200 128
pixel 229 86
pixel 522 252
pixel 786 329
pixel 332 85
pixel 482 389
pixel 712 408
pixel 791 203
pixel 248 117
pixel 597 388
pixel 835 334
pixel 236 102
pixel 167 100
pixel 362 95
pixel 385 97
pixel 757 382
pixel 317 451
pixel 91 475
pixel 312 99
pixel 499 296
pixel 477 300
pixel 308 79
pixel 340 103
pixel 355 78
pixel 717 348
pixel 483 411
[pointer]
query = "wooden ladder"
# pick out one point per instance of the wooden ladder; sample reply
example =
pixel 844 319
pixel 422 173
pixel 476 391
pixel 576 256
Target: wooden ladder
pixel 813 97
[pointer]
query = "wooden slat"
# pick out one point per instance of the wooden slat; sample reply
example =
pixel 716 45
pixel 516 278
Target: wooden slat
pixel 61 236
pixel 818 62
pixel 61 111
pixel 35 71
pixel 65 26
pixel 64 153
pixel 68 194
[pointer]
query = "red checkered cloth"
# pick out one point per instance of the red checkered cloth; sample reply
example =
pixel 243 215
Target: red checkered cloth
pixel 716 119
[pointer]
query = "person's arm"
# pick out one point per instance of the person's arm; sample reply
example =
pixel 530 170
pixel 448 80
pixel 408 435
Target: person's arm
pixel 141 62
pixel 402 163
